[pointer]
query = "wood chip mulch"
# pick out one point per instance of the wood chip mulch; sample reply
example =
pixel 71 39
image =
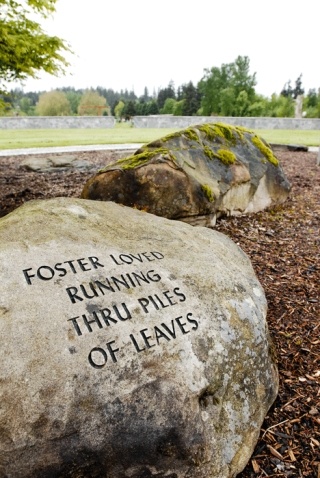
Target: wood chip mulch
pixel 283 244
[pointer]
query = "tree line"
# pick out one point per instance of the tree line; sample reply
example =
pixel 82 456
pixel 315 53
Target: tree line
pixel 228 90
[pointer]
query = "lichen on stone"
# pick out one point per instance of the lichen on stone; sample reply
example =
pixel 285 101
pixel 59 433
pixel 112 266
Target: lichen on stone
pixel 225 156
pixel 210 131
pixel 208 192
pixel 208 152
pixel 137 160
pixel 171 136
pixel 191 134
pixel 265 150
pixel 230 134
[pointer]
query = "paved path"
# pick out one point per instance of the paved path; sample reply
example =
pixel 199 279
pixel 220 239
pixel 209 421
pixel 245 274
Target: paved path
pixel 69 149
pixel 89 147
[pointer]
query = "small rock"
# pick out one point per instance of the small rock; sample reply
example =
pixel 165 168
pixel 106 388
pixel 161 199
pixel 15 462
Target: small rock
pixel 53 163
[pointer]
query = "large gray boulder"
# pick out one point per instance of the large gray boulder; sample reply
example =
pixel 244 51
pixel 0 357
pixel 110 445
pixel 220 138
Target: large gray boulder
pixel 131 346
pixel 195 175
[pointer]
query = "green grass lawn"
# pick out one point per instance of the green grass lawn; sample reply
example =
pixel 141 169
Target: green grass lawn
pixel 123 133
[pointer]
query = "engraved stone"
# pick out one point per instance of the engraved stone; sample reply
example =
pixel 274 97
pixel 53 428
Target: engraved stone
pixel 131 345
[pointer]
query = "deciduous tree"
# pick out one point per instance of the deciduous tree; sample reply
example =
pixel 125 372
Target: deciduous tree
pixel 92 104
pixel 230 88
pixel 25 49
pixel 118 110
pixel 53 103
pixel 168 106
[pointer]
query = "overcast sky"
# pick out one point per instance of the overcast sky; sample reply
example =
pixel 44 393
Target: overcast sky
pixel 130 44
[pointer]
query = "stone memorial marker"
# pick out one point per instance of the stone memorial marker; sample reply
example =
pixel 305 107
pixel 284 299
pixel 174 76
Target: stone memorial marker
pixel 131 346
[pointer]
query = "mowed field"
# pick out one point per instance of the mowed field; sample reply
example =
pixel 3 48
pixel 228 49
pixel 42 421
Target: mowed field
pixel 125 134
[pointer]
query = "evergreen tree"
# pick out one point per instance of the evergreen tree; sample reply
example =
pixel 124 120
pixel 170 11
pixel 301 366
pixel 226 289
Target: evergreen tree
pixel 290 92
pixel 165 93
pixel 192 99
pixel 129 110
pixel 152 108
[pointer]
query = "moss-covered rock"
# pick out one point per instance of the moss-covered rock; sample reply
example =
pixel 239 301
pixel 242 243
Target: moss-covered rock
pixel 196 174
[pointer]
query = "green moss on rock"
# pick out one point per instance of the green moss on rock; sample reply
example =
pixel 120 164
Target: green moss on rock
pixel 171 136
pixel 136 160
pixel 191 134
pixel 208 192
pixel 226 156
pixel 230 134
pixel 265 150
pixel 210 131
pixel 208 152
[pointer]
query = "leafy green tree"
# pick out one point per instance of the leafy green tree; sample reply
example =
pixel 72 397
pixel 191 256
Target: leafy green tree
pixel 242 104
pixel 280 106
pixel 26 106
pixel 312 98
pixel 311 104
pixel 259 107
pixel 118 110
pixel 210 86
pixel 74 98
pixel 178 108
pixel 227 102
pixel 231 82
pixel 92 104
pixel 10 102
pixel 18 103
pixel 241 79
pixel 25 48
pixel 168 107
pixel 53 103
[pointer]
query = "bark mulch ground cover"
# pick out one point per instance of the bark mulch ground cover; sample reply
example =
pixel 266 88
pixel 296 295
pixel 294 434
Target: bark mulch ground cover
pixel 283 244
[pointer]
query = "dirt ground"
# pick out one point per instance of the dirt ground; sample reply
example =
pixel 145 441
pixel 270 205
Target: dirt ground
pixel 283 244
